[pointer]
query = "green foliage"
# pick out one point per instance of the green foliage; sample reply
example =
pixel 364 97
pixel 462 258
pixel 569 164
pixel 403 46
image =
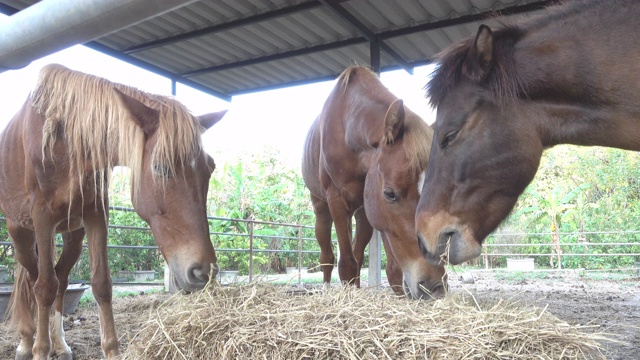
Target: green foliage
pixel 6 252
pixel 260 187
pixel 584 191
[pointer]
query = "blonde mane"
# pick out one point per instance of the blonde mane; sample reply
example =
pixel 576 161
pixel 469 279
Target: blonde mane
pixel 85 113
pixel 418 134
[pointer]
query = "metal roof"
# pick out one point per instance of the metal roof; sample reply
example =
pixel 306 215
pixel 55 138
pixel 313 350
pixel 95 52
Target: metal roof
pixel 231 47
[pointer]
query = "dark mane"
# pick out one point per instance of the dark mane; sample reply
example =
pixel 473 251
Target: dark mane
pixel 503 80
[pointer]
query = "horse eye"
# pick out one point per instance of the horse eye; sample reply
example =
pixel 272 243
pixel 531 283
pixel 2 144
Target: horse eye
pixel 161 170
pixel 389 194
pixel 449 138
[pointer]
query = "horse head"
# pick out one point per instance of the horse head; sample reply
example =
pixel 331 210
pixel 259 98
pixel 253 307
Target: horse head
pixel 172 198
pixel 391 196
pixel 484 153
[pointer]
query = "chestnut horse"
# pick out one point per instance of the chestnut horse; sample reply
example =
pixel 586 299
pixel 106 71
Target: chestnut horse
pixel 56 157
pixel 569 76
pixel 364 157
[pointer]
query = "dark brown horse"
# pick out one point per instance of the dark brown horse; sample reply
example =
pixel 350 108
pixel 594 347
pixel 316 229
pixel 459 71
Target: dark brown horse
pixel 56 157
pixel 569 76
pixel 364 157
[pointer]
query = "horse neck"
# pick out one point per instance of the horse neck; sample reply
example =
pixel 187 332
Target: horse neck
pixel 364 119
pixel 583 92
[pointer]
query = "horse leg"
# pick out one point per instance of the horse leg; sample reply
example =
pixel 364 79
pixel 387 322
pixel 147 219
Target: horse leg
pixel 21 304
pixel 95 222
pixel 364 231
pixel 70 254
pixel 45 288
pixel 394 271
pixel 347 264
pixel 323 235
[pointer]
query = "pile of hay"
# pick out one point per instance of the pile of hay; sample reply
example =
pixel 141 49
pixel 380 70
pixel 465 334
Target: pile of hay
pixel 260 321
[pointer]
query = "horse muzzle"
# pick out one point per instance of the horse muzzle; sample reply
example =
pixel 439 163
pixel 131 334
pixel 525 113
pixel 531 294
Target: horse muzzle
pixel 423 283
pixel 443 239
pixel 195 276
pixel 425 290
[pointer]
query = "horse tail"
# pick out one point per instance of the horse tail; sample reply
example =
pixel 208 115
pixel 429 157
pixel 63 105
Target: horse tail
pixel 21 309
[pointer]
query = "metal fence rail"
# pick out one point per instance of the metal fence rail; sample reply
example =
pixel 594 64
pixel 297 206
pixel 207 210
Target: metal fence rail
pixel 494 248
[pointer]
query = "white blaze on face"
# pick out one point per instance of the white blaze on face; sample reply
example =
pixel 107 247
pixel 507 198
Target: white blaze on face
pixel 421 181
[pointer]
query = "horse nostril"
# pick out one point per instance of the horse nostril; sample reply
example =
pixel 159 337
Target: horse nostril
pixel 446 239
pixel 198 275
pixel 446 235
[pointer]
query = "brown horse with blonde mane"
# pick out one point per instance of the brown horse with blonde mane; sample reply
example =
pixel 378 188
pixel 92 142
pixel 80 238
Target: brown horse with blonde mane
pixel 568 76
pixel 364 157
pixel 56 157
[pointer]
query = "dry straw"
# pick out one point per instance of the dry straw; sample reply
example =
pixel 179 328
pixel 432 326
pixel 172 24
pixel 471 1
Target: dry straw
pixel 260 321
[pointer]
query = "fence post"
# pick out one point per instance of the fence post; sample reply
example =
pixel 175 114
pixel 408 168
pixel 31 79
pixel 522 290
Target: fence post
pixel 375 277
pixel 299 255
pixel 169 284
pixel 486 256
pixel 250 251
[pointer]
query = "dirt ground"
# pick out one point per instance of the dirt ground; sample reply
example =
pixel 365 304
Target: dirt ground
pixel 610 302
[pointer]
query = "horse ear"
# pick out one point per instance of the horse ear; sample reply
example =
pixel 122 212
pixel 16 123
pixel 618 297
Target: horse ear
pixel 393 122
pixel 480 57
pixel 208 120
pixel 147 118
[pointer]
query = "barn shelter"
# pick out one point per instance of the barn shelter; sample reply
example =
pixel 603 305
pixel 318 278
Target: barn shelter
pixel 231 47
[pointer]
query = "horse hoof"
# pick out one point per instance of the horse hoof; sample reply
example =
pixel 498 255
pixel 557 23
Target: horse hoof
pixel 28 356
pixel 64 356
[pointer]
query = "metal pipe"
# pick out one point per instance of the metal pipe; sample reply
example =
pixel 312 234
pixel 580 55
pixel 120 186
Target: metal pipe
pixel 53 25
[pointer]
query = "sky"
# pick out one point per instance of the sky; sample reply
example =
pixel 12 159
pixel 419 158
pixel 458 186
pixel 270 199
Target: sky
pixel 277 119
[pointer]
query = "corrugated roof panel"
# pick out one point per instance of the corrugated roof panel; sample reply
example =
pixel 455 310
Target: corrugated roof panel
pixel 225 9
pixel 310 25
pixel 227 44
pixel 424 43
pixel 293 38
pixel 220 51
pixel 289 70
pixel 406 49
pixel 196 17
pixel 326 60
pixel 162 59
pixel 195 57
pixel 204 9
pixel 414 10
pixel 460 6
pixel 220 82
pixel 264 34
pixel 369 15
pixel 293 25
pixel 312 67
pixel 438 9
pixel 246 41
pixel 324 24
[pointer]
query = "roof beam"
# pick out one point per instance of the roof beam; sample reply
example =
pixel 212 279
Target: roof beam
pixel 383 35
pixel 284 55
pixel 351 20
pixel 318 79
